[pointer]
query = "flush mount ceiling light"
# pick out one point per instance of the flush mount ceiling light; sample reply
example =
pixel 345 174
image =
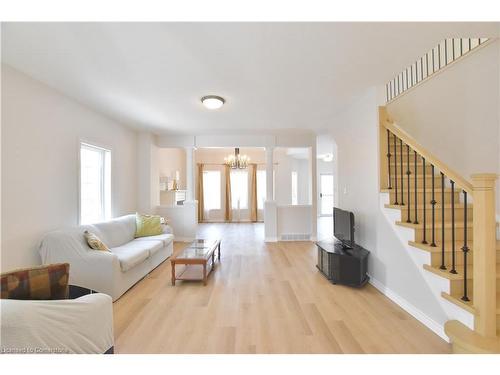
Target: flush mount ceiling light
pixel 213 101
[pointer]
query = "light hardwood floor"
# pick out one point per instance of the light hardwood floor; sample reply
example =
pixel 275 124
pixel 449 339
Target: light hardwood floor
pixel 263 298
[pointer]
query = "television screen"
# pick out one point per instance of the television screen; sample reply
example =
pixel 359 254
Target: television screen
pixel 343 226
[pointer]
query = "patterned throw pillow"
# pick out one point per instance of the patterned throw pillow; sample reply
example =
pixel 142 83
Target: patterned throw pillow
pixel 36 283
pixel 147 225
pixel 95 242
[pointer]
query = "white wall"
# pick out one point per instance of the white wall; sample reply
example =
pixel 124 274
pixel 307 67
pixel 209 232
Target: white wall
pixel 171 160
pixel 455 114
pixel 285 165
pixel 40 144
pixel 355 131
pixel 148 177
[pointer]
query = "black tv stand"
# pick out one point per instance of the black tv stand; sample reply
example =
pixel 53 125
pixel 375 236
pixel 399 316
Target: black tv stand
pixel 341 265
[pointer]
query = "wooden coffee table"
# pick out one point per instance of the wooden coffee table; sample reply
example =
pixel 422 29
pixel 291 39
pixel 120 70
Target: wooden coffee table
pixel 198 253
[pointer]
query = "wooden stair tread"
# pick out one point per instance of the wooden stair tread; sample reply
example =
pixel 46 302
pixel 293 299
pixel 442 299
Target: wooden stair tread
pixel 454 276
pixel 470 341
pixel 427 206
pixel 447 246
pixel 419 190
pixel 467 306
pixel 420 225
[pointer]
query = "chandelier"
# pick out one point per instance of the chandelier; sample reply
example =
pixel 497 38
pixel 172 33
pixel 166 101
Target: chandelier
pixel 237 161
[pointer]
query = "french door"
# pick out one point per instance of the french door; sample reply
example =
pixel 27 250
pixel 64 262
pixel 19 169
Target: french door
pixel 326 194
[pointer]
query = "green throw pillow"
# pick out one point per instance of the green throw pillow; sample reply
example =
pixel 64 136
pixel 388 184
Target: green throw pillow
pixel 147 225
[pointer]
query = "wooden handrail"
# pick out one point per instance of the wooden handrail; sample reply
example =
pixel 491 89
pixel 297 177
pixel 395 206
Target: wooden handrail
pixel 429 157
pixel 482 189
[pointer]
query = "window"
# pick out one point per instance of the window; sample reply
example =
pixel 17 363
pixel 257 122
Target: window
pixel 95 184
pixel 211 190
pixel 261 189
pixel 239 189
pixel 294 187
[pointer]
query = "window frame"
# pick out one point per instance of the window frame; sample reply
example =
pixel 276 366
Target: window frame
pixel 108 206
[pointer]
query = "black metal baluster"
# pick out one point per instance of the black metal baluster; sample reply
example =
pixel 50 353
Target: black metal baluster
pixel 433 63
pixel 407 78
pixel 439 56
pixel 465 248
pixel 395 172
pixel 446 52
pixel 453 270
pixel 386 92
pixel 424 241
pixel 415 187
pixel 401 170
pixel 470 44
pixel 422 68
pixel 408 173
pixel 427 64
pixel 461 47
pixel 433 203
pixel 389 157
pixel 443 267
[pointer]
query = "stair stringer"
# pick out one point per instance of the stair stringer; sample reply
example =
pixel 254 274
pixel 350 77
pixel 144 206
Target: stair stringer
pixel 420 257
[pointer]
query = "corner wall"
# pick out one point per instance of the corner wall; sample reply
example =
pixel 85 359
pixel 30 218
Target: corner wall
pixel 355 131
pixel 455 114
pixel 41 130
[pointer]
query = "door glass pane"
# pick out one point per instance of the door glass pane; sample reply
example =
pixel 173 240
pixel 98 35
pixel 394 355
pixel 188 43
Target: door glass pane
pixel 327 184
pixel 326 190
pixel 294 188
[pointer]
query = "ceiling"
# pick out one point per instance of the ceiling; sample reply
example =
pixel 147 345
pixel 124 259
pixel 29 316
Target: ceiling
pixel 274 76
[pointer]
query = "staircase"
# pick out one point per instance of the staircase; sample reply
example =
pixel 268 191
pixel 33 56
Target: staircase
pixel 453 221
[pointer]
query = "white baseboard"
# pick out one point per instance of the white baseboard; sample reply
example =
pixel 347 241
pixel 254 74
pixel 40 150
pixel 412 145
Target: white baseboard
pixel 434 326
pixel 271 239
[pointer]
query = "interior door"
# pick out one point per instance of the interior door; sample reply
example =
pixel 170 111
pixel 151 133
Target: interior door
pixel 326 194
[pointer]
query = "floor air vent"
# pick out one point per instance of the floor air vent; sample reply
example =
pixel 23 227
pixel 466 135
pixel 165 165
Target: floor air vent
pixel 295 237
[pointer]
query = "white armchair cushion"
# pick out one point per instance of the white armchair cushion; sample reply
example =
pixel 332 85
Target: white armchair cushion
pixel 82 325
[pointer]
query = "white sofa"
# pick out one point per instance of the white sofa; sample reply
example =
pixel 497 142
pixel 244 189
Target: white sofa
pixel 114 272
pixel 82 325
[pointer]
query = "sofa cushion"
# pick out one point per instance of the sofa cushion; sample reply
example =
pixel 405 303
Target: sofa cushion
pixel 165 238
pixel 147 225
pixel 135 252
pixel 115 232
pixel 154 246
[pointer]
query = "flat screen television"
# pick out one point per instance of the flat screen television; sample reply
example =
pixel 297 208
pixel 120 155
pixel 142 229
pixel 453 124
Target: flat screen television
pixel 343 227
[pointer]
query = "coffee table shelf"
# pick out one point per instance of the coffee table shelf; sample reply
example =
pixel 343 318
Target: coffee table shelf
pixel 198 259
